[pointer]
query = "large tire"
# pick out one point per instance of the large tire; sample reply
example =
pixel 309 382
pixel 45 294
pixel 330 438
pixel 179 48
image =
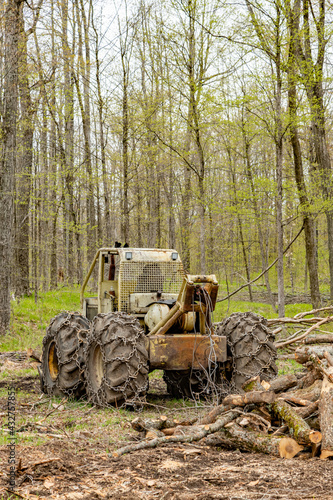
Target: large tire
pixel 61 370
pixel 193 384
pixel 184 383
pixel 116 361
pixel 250 346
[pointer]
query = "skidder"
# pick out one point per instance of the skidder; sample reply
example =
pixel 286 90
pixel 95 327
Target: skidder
pixel 149 314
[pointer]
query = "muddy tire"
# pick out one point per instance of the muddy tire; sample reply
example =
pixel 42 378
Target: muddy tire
pixel 116 361
pixel 250 346
pixel 61 371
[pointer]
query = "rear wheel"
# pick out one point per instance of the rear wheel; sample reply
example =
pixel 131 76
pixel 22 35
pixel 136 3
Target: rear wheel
pixel 116 360
pixel 183 383
pixel 62 358
pixel 250 346
pixel 192 384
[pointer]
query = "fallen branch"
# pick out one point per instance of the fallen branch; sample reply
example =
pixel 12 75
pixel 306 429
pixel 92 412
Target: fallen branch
pixel 203 432
pixel 296 401
pixel 238 438
pixel 307 410
pixel 319 339
pixel 311 393
pixel 283 383
pixel 309 330
pixel 40 462
pixel 249 397
pixel 140 424
pixel 313 312
pixel 302 354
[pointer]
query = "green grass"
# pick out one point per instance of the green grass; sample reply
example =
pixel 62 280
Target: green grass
pixel 30 320
pixel 287 366
pixel 223 309
pixel 16 374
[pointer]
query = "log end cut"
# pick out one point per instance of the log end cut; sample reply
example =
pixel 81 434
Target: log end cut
pixel 325 454
pixel 315 437
pixel 288 447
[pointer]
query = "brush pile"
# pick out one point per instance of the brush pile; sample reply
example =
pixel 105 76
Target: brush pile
pixel 288 415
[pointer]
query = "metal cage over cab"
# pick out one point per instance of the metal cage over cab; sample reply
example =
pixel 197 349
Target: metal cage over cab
pixel 146 271
pixel 138 274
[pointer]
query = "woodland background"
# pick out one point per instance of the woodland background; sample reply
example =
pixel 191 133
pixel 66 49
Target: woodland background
pixel 200 125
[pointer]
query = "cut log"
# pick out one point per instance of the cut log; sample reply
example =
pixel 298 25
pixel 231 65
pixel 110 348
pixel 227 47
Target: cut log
pixel 313 422
pixel 237 437
pixel 296 401
pixel 191 430
pixel 169 432
pixel 308 410
pixel 302 354
pixel 329 358
pixel 153 433
pixel 35 355
pixel 311 393
pixel 301 431
pixel 309 378
pixel 319 339
pixel 140 424
pixel 283 383
pixel 250 397
pixel 288 447
pixel 326 416
pixel 214 413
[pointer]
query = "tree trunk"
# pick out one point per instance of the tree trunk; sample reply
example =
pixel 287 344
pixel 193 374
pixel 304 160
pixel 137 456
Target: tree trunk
pixel 125 133
pixel 107 237
pixel 264 263
pixel 67 153
pixel 279 167
pixel 8 156
pixel 86 122
pixel 24 169
pixel 309 229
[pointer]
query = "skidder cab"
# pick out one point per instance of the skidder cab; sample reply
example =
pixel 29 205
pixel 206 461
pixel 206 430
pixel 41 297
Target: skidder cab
pixel 149 314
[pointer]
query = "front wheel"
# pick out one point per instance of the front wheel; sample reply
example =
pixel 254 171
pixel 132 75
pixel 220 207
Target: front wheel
pixel 116 360
pixel 250 346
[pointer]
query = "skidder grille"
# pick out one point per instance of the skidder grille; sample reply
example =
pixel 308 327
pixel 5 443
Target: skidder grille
pixel 146 277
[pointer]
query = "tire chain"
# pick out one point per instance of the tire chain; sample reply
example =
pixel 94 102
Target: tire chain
pixel 256 319
pixel 100 397
pixel 216 386
pixel 52 333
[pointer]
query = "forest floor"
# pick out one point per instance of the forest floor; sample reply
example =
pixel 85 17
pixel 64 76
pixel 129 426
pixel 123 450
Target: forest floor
pixel 63 452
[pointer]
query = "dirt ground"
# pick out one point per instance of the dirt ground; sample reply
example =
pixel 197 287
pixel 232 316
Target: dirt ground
pixel 74 441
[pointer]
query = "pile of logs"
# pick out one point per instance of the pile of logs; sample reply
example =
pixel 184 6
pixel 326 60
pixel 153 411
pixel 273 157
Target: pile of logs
pixel 291 414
